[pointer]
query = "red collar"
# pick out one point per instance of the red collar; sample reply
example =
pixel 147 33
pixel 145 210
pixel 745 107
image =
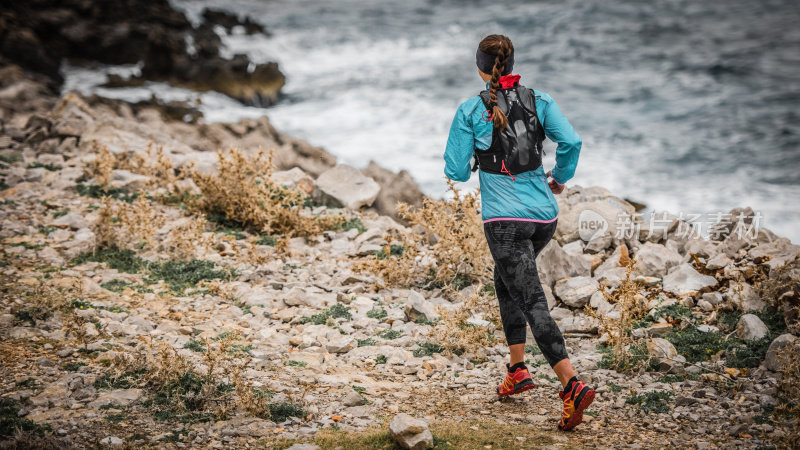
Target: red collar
pixel 509 81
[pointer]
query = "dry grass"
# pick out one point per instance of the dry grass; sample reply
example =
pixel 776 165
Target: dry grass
pixel 456 335
pixel 445 248
pixel 126 225
pixel 243 191
pixel 624 354
pixel 102 166
pixel 789 393
pixel 782 291
pixel 449 434
pixel 188 240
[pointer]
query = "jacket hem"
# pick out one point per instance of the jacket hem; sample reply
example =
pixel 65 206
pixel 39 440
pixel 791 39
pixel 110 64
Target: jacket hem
pixel 519 219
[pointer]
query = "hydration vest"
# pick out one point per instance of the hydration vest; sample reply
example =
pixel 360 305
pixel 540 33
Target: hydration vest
pixel 517 148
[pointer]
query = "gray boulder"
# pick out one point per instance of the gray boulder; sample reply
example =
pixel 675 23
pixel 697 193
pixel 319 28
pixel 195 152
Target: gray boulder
pixel 554 264
pixel 751 327
pixel 418 308
pixel 745 297
pixel 410 433
pixel 686 280
pixel 776 348
pixel 294 178
pixel 655 260
pixel 576 291
pixel 345 186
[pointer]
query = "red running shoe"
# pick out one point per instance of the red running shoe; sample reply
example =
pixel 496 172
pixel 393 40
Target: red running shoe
pixel 575 401
pixel 518 381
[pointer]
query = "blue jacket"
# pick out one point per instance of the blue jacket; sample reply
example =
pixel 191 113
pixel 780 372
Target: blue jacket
pixel 528 198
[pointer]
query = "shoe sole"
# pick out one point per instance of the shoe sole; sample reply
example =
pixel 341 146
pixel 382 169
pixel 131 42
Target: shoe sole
pixel 523 388
pixel 577 416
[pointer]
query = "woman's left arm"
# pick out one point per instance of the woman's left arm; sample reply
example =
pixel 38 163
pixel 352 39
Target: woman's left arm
pixel 460 147
pixel 558 129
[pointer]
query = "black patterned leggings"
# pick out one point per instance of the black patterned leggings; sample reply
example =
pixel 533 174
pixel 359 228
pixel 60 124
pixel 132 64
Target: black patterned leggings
pixel 514 246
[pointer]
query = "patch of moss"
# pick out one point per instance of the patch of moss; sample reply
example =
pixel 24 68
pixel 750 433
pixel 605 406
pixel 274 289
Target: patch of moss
pixel 366 342
pixel 348 224
pixel 427 349
pixel 267 240
pixel 11 423
pixel 654 401
pixel 73 366
pixel 334 312
pixel 49 166
pixel 293 363
pixel 121 260
pixel 377 313
pixel 195 345
pixel 390 334
pixel 95 191
pixel 180 275
pixel 279 412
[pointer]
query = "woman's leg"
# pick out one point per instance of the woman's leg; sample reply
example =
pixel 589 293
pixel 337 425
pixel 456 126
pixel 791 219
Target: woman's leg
pixel 515 326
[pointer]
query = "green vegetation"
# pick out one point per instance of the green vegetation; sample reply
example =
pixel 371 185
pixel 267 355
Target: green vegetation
pixel 95 191
pixel 61 213
pixel 11 423
pixel 533 349
pixel 380 359
pixel 279 412
pixel 395 250
pixel 348 224
pixel 334 312
pixel 293 363
pixel 377 313
pixel 654 401
pixel 10 157
pixel 180 275
pixel 613 387
pixel 126 380
pixel 488 289
pixel 366 342
pixel 73 366
pixel 267 240
pixel 548 378
pixel 195 345
pixel 675 311
pixel 115 285
pixel 390 334
pixel 49 166
pixel 637 356
pixel 121 260
pixel 427 349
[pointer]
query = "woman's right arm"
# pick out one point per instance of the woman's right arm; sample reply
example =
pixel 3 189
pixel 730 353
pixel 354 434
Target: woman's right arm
pixel 460 147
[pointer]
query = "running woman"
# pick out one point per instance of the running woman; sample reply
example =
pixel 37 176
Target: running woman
pixel 503 128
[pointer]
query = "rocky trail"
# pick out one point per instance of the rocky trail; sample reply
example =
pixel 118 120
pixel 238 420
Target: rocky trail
pixel 132 316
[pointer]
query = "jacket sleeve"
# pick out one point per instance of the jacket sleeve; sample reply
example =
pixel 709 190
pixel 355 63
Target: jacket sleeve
pixel 558 129
pixel 460 147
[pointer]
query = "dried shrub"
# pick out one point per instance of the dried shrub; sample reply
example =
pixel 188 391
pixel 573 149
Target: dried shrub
pixel 102 166
pixel 243 192
pixel 126 225
pixel 788 411
pixel 188 240
pixel 624 354
pixel 447 249
pixel 455 335
pixel 782 291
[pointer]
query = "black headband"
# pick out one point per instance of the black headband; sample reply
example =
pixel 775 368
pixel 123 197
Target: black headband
pixel 485 62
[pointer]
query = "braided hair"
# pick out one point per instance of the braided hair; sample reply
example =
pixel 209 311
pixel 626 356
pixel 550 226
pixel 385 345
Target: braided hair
pixel 501 46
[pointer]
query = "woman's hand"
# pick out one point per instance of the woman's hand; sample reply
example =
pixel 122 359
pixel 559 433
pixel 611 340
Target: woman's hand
pixel 554 185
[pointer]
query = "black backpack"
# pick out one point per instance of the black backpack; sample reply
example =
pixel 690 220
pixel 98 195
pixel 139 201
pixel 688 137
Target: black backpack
pixel 517 148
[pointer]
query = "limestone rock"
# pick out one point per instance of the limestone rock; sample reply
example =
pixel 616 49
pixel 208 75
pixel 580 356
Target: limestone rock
pixel 655 259
pixel 751 327
pixel 295 178
pixel 345 186
pixel 661 349
pixel 395 188
pixel 686 280
pixel 776 348
pixel 410 433
pixel 554 264
pixel 745 297
pixel 576 291
pixel 418 308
